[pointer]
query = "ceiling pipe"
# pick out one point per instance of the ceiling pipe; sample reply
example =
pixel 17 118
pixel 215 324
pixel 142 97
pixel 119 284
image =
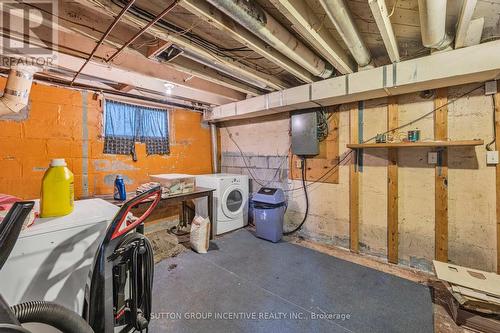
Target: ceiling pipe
pixel 308 25
pixel 433 24
pixel 258 21
pixel 339 14
pixel 224 23
pixel 17 89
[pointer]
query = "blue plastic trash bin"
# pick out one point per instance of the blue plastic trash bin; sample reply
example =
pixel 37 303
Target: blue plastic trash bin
pixel 268 213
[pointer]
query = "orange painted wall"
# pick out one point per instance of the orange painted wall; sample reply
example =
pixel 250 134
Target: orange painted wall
pixel 54 129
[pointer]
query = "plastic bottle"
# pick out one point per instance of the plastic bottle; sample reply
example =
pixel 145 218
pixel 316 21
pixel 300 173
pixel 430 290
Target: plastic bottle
pixel 57 197
pixel 119 193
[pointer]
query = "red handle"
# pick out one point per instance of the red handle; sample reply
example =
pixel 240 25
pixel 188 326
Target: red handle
pixel 118 232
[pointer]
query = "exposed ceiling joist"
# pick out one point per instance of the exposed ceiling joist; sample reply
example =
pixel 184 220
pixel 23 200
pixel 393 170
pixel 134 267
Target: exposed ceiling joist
pixel 464 23
pixel 239 69
pixel 78 45
pixel 219 20
pixel 253 17
pixel 379 11
pixel 209 74
pixel 308 25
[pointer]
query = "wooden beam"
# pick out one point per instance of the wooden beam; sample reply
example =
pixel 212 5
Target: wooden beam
pixel 354 184
pixel 497 140
pixel 392 185
pixel 441 176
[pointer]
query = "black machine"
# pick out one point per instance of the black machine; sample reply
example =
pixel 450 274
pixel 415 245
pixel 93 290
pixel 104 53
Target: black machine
pixel 118 293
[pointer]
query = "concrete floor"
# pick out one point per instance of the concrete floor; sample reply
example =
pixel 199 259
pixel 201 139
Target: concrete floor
pixel 245 284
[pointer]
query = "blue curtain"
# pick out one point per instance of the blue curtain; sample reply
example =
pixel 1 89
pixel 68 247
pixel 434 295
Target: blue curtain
pixel 121 120
pixel 128 123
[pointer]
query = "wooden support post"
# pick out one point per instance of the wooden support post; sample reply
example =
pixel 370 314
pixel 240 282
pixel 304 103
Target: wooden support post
pixel 497 144
pixel 354 185
pixel 441 176
pixel 392 185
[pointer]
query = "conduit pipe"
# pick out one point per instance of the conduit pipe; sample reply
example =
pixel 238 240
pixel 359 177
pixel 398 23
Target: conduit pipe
pixel 433 24
pixel 341 18
pixel 258 21
pixel 17 90
pixel 214 146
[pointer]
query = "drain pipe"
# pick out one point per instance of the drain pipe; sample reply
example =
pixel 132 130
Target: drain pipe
pixel 215 150
pixel 341 18
pixel 433 24
pixel 17 89
pixel 258 21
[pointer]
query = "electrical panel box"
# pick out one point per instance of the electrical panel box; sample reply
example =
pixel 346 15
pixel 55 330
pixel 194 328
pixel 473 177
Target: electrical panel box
pixel 305 133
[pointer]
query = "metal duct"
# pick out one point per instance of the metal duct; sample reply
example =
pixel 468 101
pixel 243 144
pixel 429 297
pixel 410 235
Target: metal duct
pixel 341 18
pixel 433 24
pixel 258 21
pixel 17 90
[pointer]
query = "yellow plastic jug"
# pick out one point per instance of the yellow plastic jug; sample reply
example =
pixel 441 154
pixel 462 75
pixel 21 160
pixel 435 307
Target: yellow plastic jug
pixel 57 195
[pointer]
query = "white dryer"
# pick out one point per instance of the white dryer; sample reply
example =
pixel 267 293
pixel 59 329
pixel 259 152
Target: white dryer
pixel 230 210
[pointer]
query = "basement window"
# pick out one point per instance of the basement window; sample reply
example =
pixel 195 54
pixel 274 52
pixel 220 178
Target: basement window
pixel 125 124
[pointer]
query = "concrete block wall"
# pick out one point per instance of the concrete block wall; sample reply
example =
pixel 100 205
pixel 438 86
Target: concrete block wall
pixel 271 171
pixel 471 185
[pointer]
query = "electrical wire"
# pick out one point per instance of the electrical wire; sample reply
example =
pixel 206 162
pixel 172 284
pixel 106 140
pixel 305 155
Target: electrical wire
pixel 426 114
pixel 306 213
pixel 488 146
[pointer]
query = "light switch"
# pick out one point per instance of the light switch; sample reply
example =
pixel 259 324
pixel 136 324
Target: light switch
pixel 492 157
pixel 432 157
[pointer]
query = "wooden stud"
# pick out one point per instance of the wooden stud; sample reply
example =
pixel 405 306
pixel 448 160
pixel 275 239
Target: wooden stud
pixel 354 185
pixel 497 141
pixel 441 176
pixel 392 186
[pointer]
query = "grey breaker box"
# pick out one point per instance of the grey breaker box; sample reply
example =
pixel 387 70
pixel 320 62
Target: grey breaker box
pixel 305 132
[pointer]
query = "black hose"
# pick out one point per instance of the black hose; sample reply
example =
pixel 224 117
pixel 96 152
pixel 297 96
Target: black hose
pixel 141 280
pixel 307 200
pixel 52 314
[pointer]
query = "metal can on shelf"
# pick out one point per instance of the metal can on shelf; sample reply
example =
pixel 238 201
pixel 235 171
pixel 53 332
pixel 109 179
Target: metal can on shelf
pixel 414 136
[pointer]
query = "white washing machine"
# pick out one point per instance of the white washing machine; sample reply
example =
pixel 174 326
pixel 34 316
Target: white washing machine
pixel 230 202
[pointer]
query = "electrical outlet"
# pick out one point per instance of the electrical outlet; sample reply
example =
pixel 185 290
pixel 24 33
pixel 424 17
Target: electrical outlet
pixel 298 164
pixel 492 157
pixel 432 157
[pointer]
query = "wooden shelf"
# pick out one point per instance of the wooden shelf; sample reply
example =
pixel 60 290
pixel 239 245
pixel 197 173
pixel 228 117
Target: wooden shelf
pixel 419 144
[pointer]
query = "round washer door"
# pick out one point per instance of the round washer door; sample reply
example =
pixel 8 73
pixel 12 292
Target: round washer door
pixel 232 202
